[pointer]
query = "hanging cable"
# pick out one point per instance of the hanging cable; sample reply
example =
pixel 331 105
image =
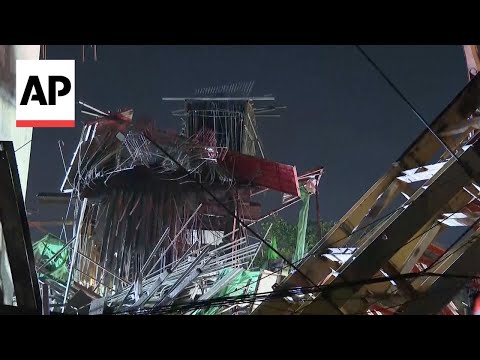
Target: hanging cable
pixel 360 229
pixel 399 93
pixel 445 256
pixel 245 298
pixel 240 221
pixel 28 142
pixel 467 170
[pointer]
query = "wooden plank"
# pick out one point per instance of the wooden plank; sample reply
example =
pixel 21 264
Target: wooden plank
pixel 473 59
pixel 385 241
pixel 419 153
pixel 437 292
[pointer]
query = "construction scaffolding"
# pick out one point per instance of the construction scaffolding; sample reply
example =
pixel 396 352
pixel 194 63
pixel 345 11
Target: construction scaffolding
pixel 152 209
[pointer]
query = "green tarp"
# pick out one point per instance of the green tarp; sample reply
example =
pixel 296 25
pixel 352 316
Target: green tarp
pixel 243 283
pixel 44 250
pixel 302 226
pixel 272 255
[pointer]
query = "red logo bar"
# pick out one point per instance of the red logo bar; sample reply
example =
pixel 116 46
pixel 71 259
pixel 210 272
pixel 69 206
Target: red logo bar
pixel 46 123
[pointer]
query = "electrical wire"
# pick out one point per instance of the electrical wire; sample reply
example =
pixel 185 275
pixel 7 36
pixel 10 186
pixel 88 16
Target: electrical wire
pixel 412 108
pixel 374 279
pixel 359 229
pixel 445 255
pixel 403 97
pixel 28 142
pixel 263 240
pixel 300 260
pixel 247 298
pixel 467 169
pixel 441 259
pixel 411 240
pixel 406 302
pixel 228 210
pixel 369 225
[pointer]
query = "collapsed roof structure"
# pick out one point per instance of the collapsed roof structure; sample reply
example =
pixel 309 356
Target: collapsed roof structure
pixel 153 223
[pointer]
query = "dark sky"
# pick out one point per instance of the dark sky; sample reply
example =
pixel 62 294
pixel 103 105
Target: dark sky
pixel 340 113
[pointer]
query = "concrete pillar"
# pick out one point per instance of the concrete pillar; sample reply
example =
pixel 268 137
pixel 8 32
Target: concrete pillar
pixel 21 138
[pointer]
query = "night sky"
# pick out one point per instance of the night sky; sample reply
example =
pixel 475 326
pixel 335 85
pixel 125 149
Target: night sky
pixel 340 113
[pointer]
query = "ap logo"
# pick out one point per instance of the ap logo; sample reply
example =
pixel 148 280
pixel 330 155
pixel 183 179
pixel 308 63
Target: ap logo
pixel 45 93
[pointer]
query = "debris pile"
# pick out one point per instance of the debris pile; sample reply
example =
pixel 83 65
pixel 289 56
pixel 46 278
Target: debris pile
pixel 153 224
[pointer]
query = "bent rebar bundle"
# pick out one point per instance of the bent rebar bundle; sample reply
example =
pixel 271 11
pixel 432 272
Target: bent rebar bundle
pixel 145 234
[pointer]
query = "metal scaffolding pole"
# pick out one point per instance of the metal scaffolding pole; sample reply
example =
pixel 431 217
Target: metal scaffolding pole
pixel 75 250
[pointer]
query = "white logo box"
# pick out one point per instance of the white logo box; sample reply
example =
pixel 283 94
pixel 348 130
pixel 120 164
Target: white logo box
pixel 49 73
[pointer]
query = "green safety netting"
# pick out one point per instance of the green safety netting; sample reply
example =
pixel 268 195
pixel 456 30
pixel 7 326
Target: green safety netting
pixel 243 283
pixel 272 255
pixel 302 225
pixel 44 250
